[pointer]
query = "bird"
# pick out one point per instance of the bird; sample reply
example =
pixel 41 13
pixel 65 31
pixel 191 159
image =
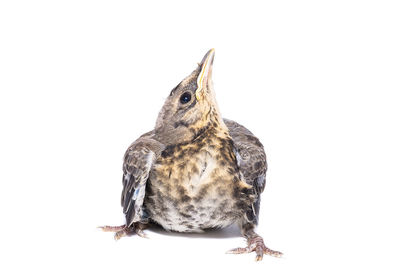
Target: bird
pixel 195 170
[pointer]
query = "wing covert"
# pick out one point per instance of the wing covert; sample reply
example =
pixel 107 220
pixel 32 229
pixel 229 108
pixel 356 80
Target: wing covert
pixel 138 161
pixel 252 162
pixel 250 155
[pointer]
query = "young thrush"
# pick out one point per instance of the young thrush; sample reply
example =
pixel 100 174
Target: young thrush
pixel 195 170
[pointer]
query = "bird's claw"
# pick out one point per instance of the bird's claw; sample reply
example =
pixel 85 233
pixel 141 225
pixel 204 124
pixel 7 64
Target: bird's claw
pixel 257 245
pixel 123 230
pixel 140 233
pixel 108 228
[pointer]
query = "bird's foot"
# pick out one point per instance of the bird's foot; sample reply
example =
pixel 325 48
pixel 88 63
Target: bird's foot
pixel 256 244
pixel 123 230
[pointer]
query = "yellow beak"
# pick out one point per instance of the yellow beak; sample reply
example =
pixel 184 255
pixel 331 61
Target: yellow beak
pixel 205 72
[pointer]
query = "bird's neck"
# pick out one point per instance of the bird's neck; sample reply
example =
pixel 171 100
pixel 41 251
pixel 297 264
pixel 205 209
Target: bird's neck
pixel 212 124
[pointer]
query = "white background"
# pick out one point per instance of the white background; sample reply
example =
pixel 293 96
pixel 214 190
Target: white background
pixel 316 81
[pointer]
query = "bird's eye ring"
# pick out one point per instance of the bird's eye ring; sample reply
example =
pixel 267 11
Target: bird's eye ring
pixel 185 98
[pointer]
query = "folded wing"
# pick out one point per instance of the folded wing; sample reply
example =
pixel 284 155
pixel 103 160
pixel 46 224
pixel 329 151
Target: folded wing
pixel 252 162
pixel 138 161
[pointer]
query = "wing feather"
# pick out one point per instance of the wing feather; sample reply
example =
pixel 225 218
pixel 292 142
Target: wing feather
pixel 138 162
pixel 251 160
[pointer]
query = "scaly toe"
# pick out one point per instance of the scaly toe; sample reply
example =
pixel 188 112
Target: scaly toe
pixel 238 251
pixel 120 234
pixel 256 244
pixel 259 257
pixel 108 228
pixel 259 252
pixel 272 252
pixel 140 233
pixel 123 230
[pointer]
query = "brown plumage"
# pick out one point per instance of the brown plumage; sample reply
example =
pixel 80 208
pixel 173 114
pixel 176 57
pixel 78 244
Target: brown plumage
pixel 195 170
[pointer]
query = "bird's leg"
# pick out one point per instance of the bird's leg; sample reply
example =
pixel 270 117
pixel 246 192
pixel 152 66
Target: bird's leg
pixel 254 243
pixel 123 230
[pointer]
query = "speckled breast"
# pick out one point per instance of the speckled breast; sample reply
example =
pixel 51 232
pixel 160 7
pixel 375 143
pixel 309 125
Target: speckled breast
pixel 196 186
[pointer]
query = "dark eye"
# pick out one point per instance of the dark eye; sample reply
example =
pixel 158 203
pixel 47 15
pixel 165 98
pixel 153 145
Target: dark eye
pixel 185 97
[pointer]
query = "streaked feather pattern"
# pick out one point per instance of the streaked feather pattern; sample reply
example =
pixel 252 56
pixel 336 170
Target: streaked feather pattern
pixel 138 161
pixel 195 170
pixel 251 161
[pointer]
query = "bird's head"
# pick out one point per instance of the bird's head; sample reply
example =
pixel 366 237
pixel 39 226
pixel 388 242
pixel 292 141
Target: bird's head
pixel 191 108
